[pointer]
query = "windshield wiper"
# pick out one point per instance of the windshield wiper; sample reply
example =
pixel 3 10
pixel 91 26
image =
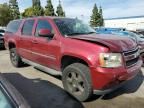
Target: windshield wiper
pixel 70 34
pixel 75 34
pixel 90 32
pixel 80 33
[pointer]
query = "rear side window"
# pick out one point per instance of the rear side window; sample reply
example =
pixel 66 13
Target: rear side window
pixel 13 26
pixel 27 27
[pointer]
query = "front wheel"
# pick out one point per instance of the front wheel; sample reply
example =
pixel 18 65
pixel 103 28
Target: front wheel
pixel 77 81
pixel 15 58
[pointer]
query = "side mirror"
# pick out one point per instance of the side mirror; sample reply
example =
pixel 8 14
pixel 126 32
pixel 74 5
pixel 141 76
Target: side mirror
pixel 45 33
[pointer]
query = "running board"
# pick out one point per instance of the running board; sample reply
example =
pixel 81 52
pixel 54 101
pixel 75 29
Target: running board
pixel 43 68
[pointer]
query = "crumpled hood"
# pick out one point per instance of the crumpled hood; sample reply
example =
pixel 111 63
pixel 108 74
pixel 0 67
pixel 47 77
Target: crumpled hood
pixel 114 43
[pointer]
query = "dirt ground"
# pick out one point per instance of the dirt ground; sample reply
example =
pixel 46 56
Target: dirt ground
pixel 42 90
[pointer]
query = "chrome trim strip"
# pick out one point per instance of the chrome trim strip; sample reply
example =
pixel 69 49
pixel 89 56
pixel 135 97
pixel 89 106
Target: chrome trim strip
pixel 132 56
pixel 43 68
pixel 50 57
pixel 25 50
pixel 141 50
pixel 131 65
pixel 46 56
pixel 132 50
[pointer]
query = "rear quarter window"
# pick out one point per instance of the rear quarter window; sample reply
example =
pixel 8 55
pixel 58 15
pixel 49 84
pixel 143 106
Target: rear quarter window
pixel 13 26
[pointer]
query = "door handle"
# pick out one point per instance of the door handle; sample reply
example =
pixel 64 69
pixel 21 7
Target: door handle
pixel 34 42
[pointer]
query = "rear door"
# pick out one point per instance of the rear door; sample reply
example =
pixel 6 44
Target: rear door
pixel 46 51
pixel 25 39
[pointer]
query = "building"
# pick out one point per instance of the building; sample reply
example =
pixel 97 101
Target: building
pixel 130 23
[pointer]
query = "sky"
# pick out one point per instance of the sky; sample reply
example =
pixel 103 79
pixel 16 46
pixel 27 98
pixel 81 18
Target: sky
pixel 83 8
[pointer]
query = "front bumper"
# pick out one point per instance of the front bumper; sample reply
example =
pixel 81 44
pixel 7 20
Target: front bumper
pixel 108 79
pixel 106 91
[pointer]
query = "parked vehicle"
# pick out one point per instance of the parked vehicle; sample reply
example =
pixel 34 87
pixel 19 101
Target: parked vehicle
pixel 9 96
pixel 124 33
pixel 88 62
pixel 2 38
pixel 107 30
pixel 2 31
pixel 140 41
pixel 141 32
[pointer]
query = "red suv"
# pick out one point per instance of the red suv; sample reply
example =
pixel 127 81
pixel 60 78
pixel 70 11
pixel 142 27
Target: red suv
pixel 88 63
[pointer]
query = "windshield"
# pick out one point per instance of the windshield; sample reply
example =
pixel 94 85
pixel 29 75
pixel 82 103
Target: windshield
pixel 69 27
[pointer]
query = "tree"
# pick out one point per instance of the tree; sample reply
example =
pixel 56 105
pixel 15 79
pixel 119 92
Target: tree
pixel 28 12
pixel 13 4
pixel 60 11
pixel 101 23
pixel 49 11
pixel 38 11
pixel 96 17
pixel 5 14
pixel 37 8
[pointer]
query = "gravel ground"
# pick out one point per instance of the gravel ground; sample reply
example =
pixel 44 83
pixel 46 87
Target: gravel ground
pixel 42 90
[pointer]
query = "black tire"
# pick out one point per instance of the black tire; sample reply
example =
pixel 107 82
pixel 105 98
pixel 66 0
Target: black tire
pixel 15 58
pixel 82 86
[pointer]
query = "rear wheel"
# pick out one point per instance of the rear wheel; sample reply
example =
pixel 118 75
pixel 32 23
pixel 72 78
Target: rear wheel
pixel 77 81
pixel 15 58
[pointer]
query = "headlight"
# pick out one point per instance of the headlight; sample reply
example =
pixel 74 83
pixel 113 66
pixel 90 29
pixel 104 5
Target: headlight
pixel 110 60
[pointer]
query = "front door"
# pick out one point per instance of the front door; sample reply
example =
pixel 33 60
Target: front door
pixel 46 51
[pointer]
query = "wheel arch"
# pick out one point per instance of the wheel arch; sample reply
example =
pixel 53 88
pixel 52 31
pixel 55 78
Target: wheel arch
pixel 67 60
pixel 11 44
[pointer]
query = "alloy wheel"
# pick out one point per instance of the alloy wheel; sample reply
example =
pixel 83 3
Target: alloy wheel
pixel 75 83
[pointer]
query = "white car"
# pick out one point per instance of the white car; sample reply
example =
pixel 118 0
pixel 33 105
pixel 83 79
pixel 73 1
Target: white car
pixel 2 38
pixel 2 31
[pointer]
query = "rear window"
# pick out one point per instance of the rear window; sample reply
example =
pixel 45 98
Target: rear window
pixel 13 26
pixel 27 27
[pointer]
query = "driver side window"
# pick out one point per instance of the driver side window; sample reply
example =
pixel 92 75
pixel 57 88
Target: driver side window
pixel 42 24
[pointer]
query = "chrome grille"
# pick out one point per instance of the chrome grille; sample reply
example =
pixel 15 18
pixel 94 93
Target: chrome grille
pixel 131 57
